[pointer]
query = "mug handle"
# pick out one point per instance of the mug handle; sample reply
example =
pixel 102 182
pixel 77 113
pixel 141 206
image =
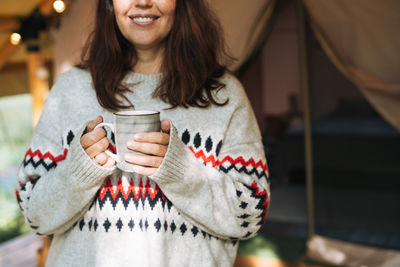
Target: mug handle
pixel 108 152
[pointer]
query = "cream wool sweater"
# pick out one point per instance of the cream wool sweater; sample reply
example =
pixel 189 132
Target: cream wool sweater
pixel 211 190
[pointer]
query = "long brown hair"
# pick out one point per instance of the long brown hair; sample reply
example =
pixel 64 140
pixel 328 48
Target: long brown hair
pixel 193 62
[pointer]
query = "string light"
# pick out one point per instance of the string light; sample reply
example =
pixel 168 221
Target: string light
pixel 59 6
pixel 15 38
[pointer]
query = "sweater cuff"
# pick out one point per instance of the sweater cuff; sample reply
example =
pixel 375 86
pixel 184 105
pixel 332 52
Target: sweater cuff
pixel 176 159
pixel 83 169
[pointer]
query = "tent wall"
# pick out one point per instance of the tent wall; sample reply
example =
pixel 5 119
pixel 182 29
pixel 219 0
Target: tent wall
pixel 361 38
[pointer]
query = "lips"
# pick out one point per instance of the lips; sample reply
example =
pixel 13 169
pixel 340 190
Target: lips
pixel 143 19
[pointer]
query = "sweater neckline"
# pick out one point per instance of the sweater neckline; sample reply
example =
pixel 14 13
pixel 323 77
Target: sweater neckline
pixel 134 77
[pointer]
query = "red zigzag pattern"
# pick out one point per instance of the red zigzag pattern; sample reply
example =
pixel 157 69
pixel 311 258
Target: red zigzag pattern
pixel 217 163
pixel 198 154
pixel 46 155
pixel 139 191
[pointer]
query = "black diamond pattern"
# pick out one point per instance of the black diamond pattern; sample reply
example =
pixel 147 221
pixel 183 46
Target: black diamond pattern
pixel 131 224
pixel 144 225
pixel 119 224
pixel 70 137
pixel 157 224
pixel 209 144
pixel 107 225
pixel 243 205
pixel 203 233
pixel 90 223
pixel 239 193
pixel 81 224
pixel 244 216
pixel 186 137
pixel 245 224
pixel 248 234
pixel 141 225
pixel 173 227
pixel 183 228
pixel 218 149
pixel 194 231
pixel 197 141
pixel 95 225
pixel 260 216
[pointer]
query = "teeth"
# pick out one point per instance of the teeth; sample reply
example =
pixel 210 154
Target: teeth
pixel 143 19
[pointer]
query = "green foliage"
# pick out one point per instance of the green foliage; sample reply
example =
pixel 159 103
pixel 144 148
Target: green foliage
pixel 15 129
pixel 277 247
pixel 285 248
pixel 14 228
pixel 15 135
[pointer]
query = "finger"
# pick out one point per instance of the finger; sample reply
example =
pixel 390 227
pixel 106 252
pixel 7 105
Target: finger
pixel 97 147
pixel 148 148
pixel 143 160
pixel 101 158
pixel 165 126
pixel 110 163
pixel 146 171
pixel 152 137
pixel 92 137
pixel 92 124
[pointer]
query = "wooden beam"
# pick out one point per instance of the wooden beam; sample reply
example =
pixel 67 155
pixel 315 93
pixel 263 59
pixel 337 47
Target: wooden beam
pixel 9 24
pixel 38 83
pixel 42 253
pixel 19 67
pixel 6 51
pixel 308 144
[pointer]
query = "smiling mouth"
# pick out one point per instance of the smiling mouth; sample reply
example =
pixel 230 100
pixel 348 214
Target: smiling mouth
pixel 143 20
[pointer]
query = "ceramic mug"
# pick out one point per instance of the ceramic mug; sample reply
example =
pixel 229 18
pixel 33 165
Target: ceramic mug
pixel 126 125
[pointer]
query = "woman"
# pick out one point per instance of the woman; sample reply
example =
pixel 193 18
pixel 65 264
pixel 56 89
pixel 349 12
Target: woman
pixel 203 185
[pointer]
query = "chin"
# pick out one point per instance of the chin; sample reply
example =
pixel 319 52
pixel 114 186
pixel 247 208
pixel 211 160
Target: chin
pixel 144 45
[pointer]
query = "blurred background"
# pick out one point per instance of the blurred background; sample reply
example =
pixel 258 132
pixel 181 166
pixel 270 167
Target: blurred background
pixel 323 78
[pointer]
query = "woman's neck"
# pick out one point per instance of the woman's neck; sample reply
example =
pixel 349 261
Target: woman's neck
pixel 149 60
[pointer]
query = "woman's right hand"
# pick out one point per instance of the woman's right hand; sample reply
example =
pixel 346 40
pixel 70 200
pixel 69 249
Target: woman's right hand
pixel 95 142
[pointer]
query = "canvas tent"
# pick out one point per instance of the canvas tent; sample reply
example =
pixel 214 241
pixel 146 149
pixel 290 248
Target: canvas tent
pixel 360 37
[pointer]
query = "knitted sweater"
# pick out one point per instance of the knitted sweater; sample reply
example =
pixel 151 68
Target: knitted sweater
pixel 210 191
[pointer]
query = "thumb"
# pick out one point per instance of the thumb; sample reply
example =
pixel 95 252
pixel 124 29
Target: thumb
pixel 92 124
pixel 165 126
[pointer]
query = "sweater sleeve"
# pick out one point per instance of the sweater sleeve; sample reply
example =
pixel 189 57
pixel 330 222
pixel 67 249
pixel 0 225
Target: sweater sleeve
pixel 57 179
pixel 227 196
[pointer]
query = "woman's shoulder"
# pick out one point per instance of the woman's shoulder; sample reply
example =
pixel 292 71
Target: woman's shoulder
pixel 233 89
pixel 71 81
pixel 75 74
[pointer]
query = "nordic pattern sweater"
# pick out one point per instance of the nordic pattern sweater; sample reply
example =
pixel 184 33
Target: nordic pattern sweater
pixel 210 191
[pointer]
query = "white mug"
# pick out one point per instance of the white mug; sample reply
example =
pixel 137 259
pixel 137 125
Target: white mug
pixel 126 125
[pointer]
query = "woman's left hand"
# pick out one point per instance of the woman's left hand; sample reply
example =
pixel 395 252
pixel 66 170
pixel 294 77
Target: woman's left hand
pixel 155 144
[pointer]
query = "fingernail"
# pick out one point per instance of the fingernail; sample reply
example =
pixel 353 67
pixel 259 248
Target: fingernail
pixel 138 136
pixel 130 143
